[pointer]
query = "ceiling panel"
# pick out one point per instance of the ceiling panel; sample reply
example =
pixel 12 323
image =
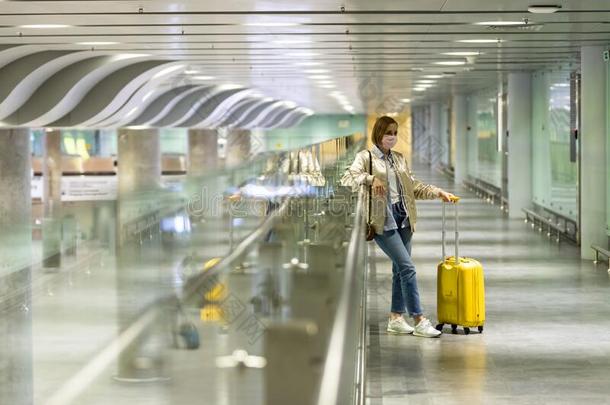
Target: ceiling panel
pixel 314 52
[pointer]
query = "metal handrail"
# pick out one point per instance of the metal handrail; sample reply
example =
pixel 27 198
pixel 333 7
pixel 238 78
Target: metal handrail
pixel 350 297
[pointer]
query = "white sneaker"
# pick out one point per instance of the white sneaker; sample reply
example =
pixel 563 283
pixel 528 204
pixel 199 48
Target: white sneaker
pixel 399 326
pixel 425 329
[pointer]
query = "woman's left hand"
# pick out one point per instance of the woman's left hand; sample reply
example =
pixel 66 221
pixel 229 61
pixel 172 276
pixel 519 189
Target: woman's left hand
pixel 448 197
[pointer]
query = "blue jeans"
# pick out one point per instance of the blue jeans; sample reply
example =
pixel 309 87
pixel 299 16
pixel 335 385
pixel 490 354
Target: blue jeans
pixel 396 244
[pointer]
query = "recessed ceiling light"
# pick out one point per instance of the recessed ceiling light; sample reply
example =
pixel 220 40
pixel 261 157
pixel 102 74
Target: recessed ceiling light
pixel 501 23
pixel 316 71
pixel 426 81
pixel 419 89
pixel 434 76
pixel 481 41
pixel 43 26
pixel 292 41
pixel 450 62
pixel 326 82
pixel 405 100
pixel 309 63
pixel 319 77
pixel 462 53
pixel 302 54
pixel 327 86
pixel 543 9
pixel 270 24
pixel 203 77
pixel 97 43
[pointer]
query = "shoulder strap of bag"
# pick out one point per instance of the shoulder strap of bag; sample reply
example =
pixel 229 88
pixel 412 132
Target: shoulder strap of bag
pixel 370 186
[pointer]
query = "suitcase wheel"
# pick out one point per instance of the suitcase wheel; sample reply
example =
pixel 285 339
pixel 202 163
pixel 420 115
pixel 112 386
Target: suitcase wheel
pixel 466 331
pixel 454 329
pixel 439 327
pixel 480 329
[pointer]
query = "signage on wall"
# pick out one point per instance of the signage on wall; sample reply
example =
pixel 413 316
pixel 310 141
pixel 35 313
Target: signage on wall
pixel 95 188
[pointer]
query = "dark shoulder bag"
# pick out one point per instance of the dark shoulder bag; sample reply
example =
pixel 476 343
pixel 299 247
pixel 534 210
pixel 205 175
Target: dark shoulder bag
pixel 370 229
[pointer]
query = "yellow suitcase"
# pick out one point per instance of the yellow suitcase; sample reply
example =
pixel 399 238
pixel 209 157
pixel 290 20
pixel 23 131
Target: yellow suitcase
pixel 460 288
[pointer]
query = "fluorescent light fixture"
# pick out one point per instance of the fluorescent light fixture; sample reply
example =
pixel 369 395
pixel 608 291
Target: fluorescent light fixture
pixel 302 54
pixel 450 62
pixel 292 41
pixel 167 70
pixel 192 72
pixel 561 84
pixel 463 53
pixel 320 77
pixel 271 24
pixel 426 81
pixel 327 86
pixel 405 100
pixel 203 77
pixel 94 43
pixel 326 82
pixel 544 9
pixel 425 86
pixel 419 89
pixel 43 26
pixel 480 41
pixel 306 64
pixel 434 76
pixel 501 23
pixel 316 71
pixel 138 127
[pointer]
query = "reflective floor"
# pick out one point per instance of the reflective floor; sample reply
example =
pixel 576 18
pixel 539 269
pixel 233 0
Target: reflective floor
pixel 547 336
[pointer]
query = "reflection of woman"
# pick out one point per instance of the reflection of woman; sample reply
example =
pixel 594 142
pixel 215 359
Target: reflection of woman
pixel 393 216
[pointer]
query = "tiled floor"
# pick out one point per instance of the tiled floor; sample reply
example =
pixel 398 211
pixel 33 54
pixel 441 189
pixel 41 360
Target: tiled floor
pixel 547 336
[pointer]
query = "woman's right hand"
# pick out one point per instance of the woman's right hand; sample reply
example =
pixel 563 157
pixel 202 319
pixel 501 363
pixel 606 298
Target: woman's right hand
pixel 378 187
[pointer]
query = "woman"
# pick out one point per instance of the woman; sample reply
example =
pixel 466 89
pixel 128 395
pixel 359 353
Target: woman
pixel 393 216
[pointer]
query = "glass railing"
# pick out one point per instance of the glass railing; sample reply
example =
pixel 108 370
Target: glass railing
pixel 243 286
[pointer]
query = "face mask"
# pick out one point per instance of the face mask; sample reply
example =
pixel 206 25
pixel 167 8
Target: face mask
pixel 388 142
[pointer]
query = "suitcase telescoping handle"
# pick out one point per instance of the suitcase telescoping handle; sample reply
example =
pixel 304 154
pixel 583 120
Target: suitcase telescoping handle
pixel 457 234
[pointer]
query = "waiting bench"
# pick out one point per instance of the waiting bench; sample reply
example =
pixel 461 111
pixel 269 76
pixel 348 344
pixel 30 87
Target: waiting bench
pixel 532 217
pixel 601 251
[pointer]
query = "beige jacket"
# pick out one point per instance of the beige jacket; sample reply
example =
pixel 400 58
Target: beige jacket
pixel 412 189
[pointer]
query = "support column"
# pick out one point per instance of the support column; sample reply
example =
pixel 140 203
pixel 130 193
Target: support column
pixel 593 176
pixel 139 251
pixel 238 147
pixel 203 151
pixel 51 223
pixel 444 134
pixel 15 274
pixel 459 128
pixel 519 143
pixel 434 152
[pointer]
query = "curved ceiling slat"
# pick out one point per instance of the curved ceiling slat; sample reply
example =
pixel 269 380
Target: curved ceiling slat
pixel 239 111
pixel 161 105
pixel 217 109
pixel 270 111
pixel 279 117
pixel 110 93
pixel 251 115
pixel 51 85
pixel 187 106
pixel 64 90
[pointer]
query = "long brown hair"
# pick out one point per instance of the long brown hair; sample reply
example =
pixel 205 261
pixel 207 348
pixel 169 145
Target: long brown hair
pixel 380 127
